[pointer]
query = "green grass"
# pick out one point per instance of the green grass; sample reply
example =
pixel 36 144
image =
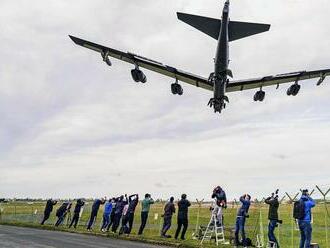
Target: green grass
pixel 22 213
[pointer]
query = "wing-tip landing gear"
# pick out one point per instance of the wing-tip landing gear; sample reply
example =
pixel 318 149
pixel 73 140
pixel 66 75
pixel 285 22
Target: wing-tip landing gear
pixel 176 88
pixel 322 77
pixel 106 59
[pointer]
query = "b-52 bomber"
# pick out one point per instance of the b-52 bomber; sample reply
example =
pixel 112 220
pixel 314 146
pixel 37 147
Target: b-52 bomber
pixel 224 31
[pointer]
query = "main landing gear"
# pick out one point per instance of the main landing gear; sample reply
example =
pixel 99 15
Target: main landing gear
pixel 218 104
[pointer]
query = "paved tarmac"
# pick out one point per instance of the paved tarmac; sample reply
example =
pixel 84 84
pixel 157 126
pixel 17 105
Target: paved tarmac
pixel 11 237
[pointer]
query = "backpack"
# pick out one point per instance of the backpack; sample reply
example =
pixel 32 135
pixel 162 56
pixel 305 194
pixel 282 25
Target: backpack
pixel 248 242
pixel 299 210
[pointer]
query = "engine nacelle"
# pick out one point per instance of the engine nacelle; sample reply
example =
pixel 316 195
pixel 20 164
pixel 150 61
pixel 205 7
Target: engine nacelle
pixel 138 76
pixel 259 96
pixel 293 90
pixel 176 89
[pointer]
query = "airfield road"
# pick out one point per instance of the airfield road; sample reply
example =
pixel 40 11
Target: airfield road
pixel 11 236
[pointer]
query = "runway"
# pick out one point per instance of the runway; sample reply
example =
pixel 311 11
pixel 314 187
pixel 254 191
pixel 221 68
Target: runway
pixel 11 237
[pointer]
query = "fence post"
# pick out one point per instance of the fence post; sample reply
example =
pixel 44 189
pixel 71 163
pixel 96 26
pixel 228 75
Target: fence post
pixel 279 217
pixel 199 202
pixel 324 194
pixel 292 199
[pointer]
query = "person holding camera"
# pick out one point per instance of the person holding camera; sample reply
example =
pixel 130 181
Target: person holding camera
pixel 62 211
pixel 95 208
pixel 147 201
pixel 183 206
pixel 303 213
pixel 48 209
pixel 80 203
pixel 169 210
pixel 220 198
pixel 242 214
pixel 274 204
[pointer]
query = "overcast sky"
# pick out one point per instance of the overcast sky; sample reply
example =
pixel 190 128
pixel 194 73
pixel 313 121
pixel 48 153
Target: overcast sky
pixel 71 126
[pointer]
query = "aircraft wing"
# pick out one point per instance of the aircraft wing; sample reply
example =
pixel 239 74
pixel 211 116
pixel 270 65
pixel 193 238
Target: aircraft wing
pixel 277 80
pixel 146 63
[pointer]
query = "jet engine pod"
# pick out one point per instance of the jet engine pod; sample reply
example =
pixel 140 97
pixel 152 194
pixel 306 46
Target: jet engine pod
pixel 293 90
pixel 176 89
pixel 138 76
pixel 259 96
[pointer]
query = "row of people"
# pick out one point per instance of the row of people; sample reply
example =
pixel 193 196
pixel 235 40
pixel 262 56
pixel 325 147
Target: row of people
pixel 121 210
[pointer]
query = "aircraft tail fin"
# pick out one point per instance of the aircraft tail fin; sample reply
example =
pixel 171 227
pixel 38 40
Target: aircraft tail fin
pixel 211 26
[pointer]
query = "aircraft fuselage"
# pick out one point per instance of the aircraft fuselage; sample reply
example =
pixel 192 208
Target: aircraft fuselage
pixel 221 64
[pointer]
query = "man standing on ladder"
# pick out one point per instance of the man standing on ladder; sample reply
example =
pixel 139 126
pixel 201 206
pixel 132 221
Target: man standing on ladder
pixel 242 214
pixel 220 202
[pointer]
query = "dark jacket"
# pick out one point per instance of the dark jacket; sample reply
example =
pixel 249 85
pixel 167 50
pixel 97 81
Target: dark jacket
pixel 49 206
pixel 78 206
pixel 220 196
pixel 96 205
pixel 132 203
pixel 169 209
pixel 273 208
pixel 62 209
pixel 183 206
pixel 244 209
pixel 120 206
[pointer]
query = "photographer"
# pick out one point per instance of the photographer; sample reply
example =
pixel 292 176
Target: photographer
pixel 274 204
pixel 220 202
pixel 242 214
pixel 48 209
pixel 169 210
pixel 183 206
pixel 95 209
pixel 80 203
pixel 147 201
pixel 62 211
pixel 303 212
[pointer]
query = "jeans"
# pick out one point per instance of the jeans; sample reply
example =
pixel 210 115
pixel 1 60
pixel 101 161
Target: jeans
pixel 112 220
pixel 46 217
pixel 305 228
pixel 92 219
pixel 60 219
pixel 75 220
pixel 181 222
pixel 144 218
pixel 167 224
pixel 130 219
pixel 271 228
pixel 106 221
pixel 116 222
pixel 240 228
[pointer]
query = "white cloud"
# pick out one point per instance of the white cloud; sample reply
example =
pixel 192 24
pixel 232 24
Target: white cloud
pixel 70 126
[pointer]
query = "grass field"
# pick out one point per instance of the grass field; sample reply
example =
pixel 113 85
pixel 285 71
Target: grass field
pixel 24 213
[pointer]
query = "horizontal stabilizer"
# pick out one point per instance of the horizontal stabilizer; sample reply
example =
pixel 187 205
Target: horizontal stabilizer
pixel 239 30
pixel 211 26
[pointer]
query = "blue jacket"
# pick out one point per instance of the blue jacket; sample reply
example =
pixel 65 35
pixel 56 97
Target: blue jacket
pixel 107 208
pixel 244 209
pixel 309 204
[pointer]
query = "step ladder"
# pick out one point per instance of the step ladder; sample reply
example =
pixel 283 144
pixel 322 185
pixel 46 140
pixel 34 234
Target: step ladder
pixel 214 228
pixel 272 244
